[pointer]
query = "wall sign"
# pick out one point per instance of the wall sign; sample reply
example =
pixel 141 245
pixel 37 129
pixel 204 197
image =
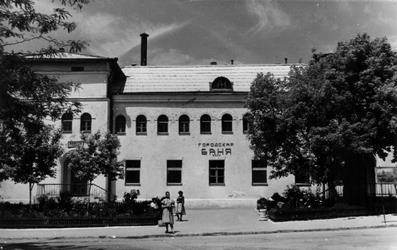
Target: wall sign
pixel 74 144
pixel 216 149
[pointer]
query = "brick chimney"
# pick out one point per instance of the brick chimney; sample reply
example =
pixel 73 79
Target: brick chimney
pixel 144 37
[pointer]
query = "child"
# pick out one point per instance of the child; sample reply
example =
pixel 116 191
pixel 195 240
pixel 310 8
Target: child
pixel 180 206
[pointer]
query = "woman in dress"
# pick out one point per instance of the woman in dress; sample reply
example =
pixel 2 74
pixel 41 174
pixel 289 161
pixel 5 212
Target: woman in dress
pixel 168 216
pixel 180 206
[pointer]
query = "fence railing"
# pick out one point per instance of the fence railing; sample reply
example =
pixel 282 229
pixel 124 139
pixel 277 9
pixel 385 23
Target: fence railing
pixel 374 190
pixel 77 190
pixel 384 189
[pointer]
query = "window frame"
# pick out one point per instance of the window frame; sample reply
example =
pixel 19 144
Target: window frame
pixel 217 169
pixel 246 123
pixel 221 83
pixel 133 168
pixel 225 122
pixel 67 121
pixel 142 122
pixel 305 183
pixel 117 125
pixel 185 121
pixel 256 166
pixel 85 123
pixel 202 122
pixel 176 167
pixel 161 123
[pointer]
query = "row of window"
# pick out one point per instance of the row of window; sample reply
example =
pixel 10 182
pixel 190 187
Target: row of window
pixel 162 124
pixel 174 172
pixel 67 123
pixel 183 124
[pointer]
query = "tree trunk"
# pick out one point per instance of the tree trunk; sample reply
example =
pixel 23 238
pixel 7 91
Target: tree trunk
pixel 89 196
pixel 30 193
pixel 109 189
pixel 331 192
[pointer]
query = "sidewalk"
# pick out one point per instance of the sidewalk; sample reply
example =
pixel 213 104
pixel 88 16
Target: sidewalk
pixel 202 222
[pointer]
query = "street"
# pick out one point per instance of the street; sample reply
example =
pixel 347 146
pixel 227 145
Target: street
pixel 379 238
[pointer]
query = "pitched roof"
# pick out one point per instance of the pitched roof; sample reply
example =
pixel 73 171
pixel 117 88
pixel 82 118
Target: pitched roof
pixel 69 57
pixel 195 78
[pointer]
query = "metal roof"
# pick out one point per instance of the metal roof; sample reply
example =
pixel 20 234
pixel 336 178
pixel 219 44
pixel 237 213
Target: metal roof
pixel 65 55
pixel 195 78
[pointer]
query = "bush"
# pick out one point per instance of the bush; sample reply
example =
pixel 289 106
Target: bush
pixel 293 197
pixel 297 198
pixel 64 206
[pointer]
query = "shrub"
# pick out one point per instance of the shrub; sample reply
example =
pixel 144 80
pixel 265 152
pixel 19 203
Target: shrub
pixel 297 198
pixel 262 203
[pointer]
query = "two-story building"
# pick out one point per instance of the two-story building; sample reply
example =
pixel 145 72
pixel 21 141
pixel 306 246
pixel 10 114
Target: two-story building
pixel 180 128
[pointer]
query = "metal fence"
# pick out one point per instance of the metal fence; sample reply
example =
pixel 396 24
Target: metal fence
pixel 77 190
pixel 384 189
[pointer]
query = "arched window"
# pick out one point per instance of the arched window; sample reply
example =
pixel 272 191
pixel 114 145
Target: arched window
pixel 162 125
pixel 141 125
pixel 184 124
pixel 85 123
pixel 120 124
pixel 227 124
pixel 67 122
pixel 221 83
pixel 246 123
pixel 205 124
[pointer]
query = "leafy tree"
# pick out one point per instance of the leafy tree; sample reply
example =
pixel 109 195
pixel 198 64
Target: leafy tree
pixel 110 167
pixel 329 114
pixel 29 146
pixel 97 155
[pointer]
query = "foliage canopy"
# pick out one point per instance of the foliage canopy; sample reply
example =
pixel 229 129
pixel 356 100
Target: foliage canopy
pixel 341 104
pixel 29 102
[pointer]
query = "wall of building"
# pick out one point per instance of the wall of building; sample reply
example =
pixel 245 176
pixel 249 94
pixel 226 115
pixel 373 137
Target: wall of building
pixel 92 96
pixel 93 80
pixel 154 150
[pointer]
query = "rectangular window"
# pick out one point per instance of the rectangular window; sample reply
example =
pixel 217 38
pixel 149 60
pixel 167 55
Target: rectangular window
pixel 259 173
pixel 141 128
pixel 217 172
pixel 132 172
pixel 174 172
pixel 302 178
pixel 67 126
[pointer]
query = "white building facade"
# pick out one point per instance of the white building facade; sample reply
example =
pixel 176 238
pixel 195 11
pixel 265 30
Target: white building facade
pixel 183 128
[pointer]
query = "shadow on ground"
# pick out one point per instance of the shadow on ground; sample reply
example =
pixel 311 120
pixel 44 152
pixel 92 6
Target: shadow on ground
pixel 43 246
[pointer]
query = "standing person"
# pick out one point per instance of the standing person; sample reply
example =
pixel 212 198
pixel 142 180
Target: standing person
pixel 180 206
pixel 167 216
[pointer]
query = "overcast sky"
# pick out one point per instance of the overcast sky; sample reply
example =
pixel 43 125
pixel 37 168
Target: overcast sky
pixel 248 31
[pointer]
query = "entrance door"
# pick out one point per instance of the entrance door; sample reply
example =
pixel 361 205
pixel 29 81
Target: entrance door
pixel 78 187
pixel 70 183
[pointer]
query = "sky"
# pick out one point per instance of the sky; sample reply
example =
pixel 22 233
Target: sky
pixel 185 32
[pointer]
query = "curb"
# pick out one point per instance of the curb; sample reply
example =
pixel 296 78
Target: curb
pixel 250 232
pixel 148 236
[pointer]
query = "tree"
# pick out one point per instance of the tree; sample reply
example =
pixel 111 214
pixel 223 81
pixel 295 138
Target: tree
pixel 329 114
pixel 97 155
pixel 29 147
pixel 110 167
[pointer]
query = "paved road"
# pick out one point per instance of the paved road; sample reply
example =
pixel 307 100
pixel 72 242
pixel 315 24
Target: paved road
pixel 380 238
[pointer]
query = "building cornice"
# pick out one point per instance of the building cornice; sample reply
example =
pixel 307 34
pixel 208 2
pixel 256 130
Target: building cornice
pixel 182 97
